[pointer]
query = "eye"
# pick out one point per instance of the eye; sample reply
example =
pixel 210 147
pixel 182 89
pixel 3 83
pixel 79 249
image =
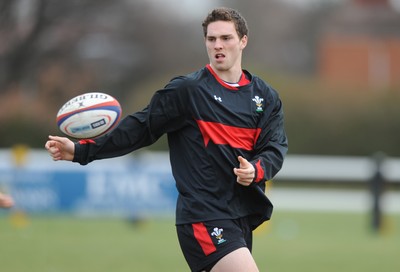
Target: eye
pixel 210 39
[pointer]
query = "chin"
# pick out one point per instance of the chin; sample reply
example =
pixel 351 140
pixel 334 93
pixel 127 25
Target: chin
pixel 220 66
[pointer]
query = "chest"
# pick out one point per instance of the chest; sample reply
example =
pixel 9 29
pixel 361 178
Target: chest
pixel 239 108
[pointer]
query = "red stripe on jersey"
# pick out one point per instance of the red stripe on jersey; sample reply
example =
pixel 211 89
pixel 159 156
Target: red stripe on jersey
pixel 260 172
pixel 204 239
pixel 86 141
pixel 243 80
pixel 235 137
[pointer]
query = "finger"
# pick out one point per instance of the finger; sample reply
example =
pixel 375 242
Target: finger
pixel 54 151
pixel 56 156
pixel 52 148
pixel 58 139
pixel 247 176
pixel 244 171
pixel 244 182
pixel 243 162
pixel 55 138
pixel 49 144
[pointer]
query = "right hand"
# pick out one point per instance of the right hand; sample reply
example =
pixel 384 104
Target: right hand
pixel 60 148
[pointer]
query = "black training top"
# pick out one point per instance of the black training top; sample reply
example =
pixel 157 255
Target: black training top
pixel 209 124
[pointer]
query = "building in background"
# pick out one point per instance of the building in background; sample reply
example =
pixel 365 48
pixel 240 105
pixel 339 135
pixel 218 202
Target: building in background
pixel 360 46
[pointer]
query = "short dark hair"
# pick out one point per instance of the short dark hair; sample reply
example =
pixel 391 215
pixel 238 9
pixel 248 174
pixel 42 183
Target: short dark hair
pixel 229 15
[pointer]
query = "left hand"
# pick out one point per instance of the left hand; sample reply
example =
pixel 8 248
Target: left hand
pixel 6 201
pixel 245 173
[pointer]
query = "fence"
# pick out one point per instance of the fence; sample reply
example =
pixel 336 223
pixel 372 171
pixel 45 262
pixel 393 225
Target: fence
pixel 376 172
pixel 132 186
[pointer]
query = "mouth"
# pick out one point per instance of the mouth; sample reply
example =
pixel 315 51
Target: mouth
pixel 219 56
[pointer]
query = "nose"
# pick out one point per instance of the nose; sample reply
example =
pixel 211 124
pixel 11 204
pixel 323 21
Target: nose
pixel 218 44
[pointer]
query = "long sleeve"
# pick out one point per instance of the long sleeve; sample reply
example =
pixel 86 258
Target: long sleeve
pixel 165 113
pixel 272 144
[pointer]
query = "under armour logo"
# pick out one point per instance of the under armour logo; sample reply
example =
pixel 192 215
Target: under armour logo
pixel 217 98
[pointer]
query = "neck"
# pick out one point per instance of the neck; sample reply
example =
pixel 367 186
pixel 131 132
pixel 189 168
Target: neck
pixel 231 75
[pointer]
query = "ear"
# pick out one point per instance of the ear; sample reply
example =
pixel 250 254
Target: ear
pixel 243 42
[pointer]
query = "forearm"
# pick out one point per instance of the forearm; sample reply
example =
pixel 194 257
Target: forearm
pixel 131 134
pixel 272 147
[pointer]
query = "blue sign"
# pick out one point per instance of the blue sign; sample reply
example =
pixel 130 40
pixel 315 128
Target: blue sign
pixel 135 191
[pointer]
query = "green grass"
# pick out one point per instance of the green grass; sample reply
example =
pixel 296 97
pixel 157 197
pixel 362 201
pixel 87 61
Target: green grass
pixel 292 241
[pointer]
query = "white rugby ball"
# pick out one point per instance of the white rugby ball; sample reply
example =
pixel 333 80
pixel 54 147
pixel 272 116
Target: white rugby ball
pixel 89 115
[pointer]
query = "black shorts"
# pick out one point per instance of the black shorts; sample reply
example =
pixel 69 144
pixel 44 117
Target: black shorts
pixel 203 244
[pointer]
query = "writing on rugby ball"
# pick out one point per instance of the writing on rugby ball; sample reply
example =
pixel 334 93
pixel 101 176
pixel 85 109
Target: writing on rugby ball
pixel 89 115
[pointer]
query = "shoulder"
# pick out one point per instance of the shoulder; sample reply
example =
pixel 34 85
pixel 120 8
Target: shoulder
pixel 263 86
pixel 189 80
pixel 180 88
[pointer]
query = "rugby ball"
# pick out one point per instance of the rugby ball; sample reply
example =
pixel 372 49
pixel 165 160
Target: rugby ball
pixel 89 115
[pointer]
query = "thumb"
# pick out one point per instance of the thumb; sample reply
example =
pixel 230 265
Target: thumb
pixel 55 142
pixel 243 162
pixel 56 138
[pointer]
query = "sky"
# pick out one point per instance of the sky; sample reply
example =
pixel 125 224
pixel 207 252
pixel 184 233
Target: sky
pixel 308 3
pixel 199 8
pixel 191 8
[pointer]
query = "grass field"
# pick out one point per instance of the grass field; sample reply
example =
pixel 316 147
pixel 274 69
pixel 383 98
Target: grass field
pixel 292 241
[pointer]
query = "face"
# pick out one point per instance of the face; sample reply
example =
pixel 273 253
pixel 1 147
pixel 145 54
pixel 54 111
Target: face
pixel 224 47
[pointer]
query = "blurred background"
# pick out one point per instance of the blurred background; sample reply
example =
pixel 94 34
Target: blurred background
pixel 335 63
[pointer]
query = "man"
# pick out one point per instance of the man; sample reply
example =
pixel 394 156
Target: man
pixel 6 201
pixel 226 138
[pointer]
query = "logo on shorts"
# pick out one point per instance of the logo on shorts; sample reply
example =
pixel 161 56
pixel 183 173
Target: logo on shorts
pixel 218 234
